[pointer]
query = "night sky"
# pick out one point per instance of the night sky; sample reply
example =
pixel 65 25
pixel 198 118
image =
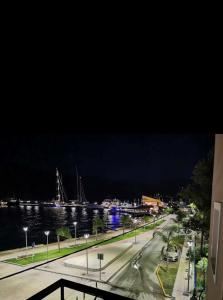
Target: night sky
pixel 121 165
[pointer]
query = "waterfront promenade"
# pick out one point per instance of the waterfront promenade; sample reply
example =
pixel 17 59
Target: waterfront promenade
pixel 33 280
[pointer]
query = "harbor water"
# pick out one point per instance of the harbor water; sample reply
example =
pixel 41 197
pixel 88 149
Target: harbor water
pixel 38 219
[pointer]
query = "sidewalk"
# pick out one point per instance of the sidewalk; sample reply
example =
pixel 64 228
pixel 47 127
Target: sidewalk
pixel 181 283
pixel 112 270
pixel 67 243
pixel 8 269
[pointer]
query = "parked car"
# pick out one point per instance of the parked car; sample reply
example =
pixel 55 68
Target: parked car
pixel 171 255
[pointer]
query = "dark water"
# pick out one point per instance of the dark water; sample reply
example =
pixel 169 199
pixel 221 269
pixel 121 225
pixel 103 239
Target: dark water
pixel 38 219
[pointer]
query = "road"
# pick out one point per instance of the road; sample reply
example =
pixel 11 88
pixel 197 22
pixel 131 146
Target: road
pixel 141 283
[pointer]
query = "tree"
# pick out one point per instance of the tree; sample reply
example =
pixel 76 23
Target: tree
pixel 200 223
pixel 193 207
pixel 178 225
pixel 180 215
pixel 62 232
pixel 169 210
pixel 106 219
pixel 125 221
pixel 170 240
pixel 97 223
pixel 202 265
pixel 195 254
pixel 198 192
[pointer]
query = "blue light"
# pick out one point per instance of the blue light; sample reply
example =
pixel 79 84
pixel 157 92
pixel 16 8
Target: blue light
pixel 115 220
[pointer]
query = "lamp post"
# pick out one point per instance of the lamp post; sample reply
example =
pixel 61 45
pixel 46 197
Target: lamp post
pixel 75 227
pixel 86 236
pixel 189 243
pixel 47 234
pixel 25 230
pixel 135 221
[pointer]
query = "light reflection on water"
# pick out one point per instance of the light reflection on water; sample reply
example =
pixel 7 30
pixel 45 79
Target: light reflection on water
pixel 115 221
pixel 38 219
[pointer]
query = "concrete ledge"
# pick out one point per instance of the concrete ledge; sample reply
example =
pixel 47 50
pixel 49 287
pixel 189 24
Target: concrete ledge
pixel 111 253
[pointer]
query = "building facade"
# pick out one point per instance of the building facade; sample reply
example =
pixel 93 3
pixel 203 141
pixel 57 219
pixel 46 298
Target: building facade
pixel 215 255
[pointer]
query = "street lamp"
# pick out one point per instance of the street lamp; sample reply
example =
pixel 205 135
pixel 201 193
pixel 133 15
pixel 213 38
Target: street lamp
pixel 25 230
pixel 189 243
pixel 47 234
pixel 75 227
pixel 86 236
pixel 135 221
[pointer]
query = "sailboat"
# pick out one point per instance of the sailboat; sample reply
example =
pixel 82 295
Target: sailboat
pixel 81 198
pixel 60 196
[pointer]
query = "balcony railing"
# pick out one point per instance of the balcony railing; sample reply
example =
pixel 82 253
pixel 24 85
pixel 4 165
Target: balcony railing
pixel 78 287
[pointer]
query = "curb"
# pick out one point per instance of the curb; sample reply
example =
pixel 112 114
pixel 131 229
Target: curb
pixel 160 282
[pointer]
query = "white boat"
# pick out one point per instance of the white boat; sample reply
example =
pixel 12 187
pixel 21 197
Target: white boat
pixel 109 203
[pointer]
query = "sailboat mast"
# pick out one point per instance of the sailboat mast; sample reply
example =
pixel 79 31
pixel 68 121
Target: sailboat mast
pixel 80 190
pixel 58 185
pixel 82 194
pixel 77 185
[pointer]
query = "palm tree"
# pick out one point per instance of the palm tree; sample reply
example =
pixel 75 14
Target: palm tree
pixel 193 207
pixel 126 221
pixel 62 232
pixel 169 239
pixel 177 225
pixel 97 223
pixel 105 219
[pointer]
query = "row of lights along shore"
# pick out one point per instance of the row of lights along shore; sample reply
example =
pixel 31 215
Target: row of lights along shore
pixel 86 236
pixel 47 236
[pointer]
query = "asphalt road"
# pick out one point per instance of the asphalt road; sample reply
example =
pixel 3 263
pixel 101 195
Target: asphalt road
pixel 141 283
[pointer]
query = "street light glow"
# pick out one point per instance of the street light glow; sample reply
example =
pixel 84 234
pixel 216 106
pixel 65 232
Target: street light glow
pixel 75 226
pixel 25 230
pixel 47 234
pixel 135 266
pixel 86 236
pixel 190 243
